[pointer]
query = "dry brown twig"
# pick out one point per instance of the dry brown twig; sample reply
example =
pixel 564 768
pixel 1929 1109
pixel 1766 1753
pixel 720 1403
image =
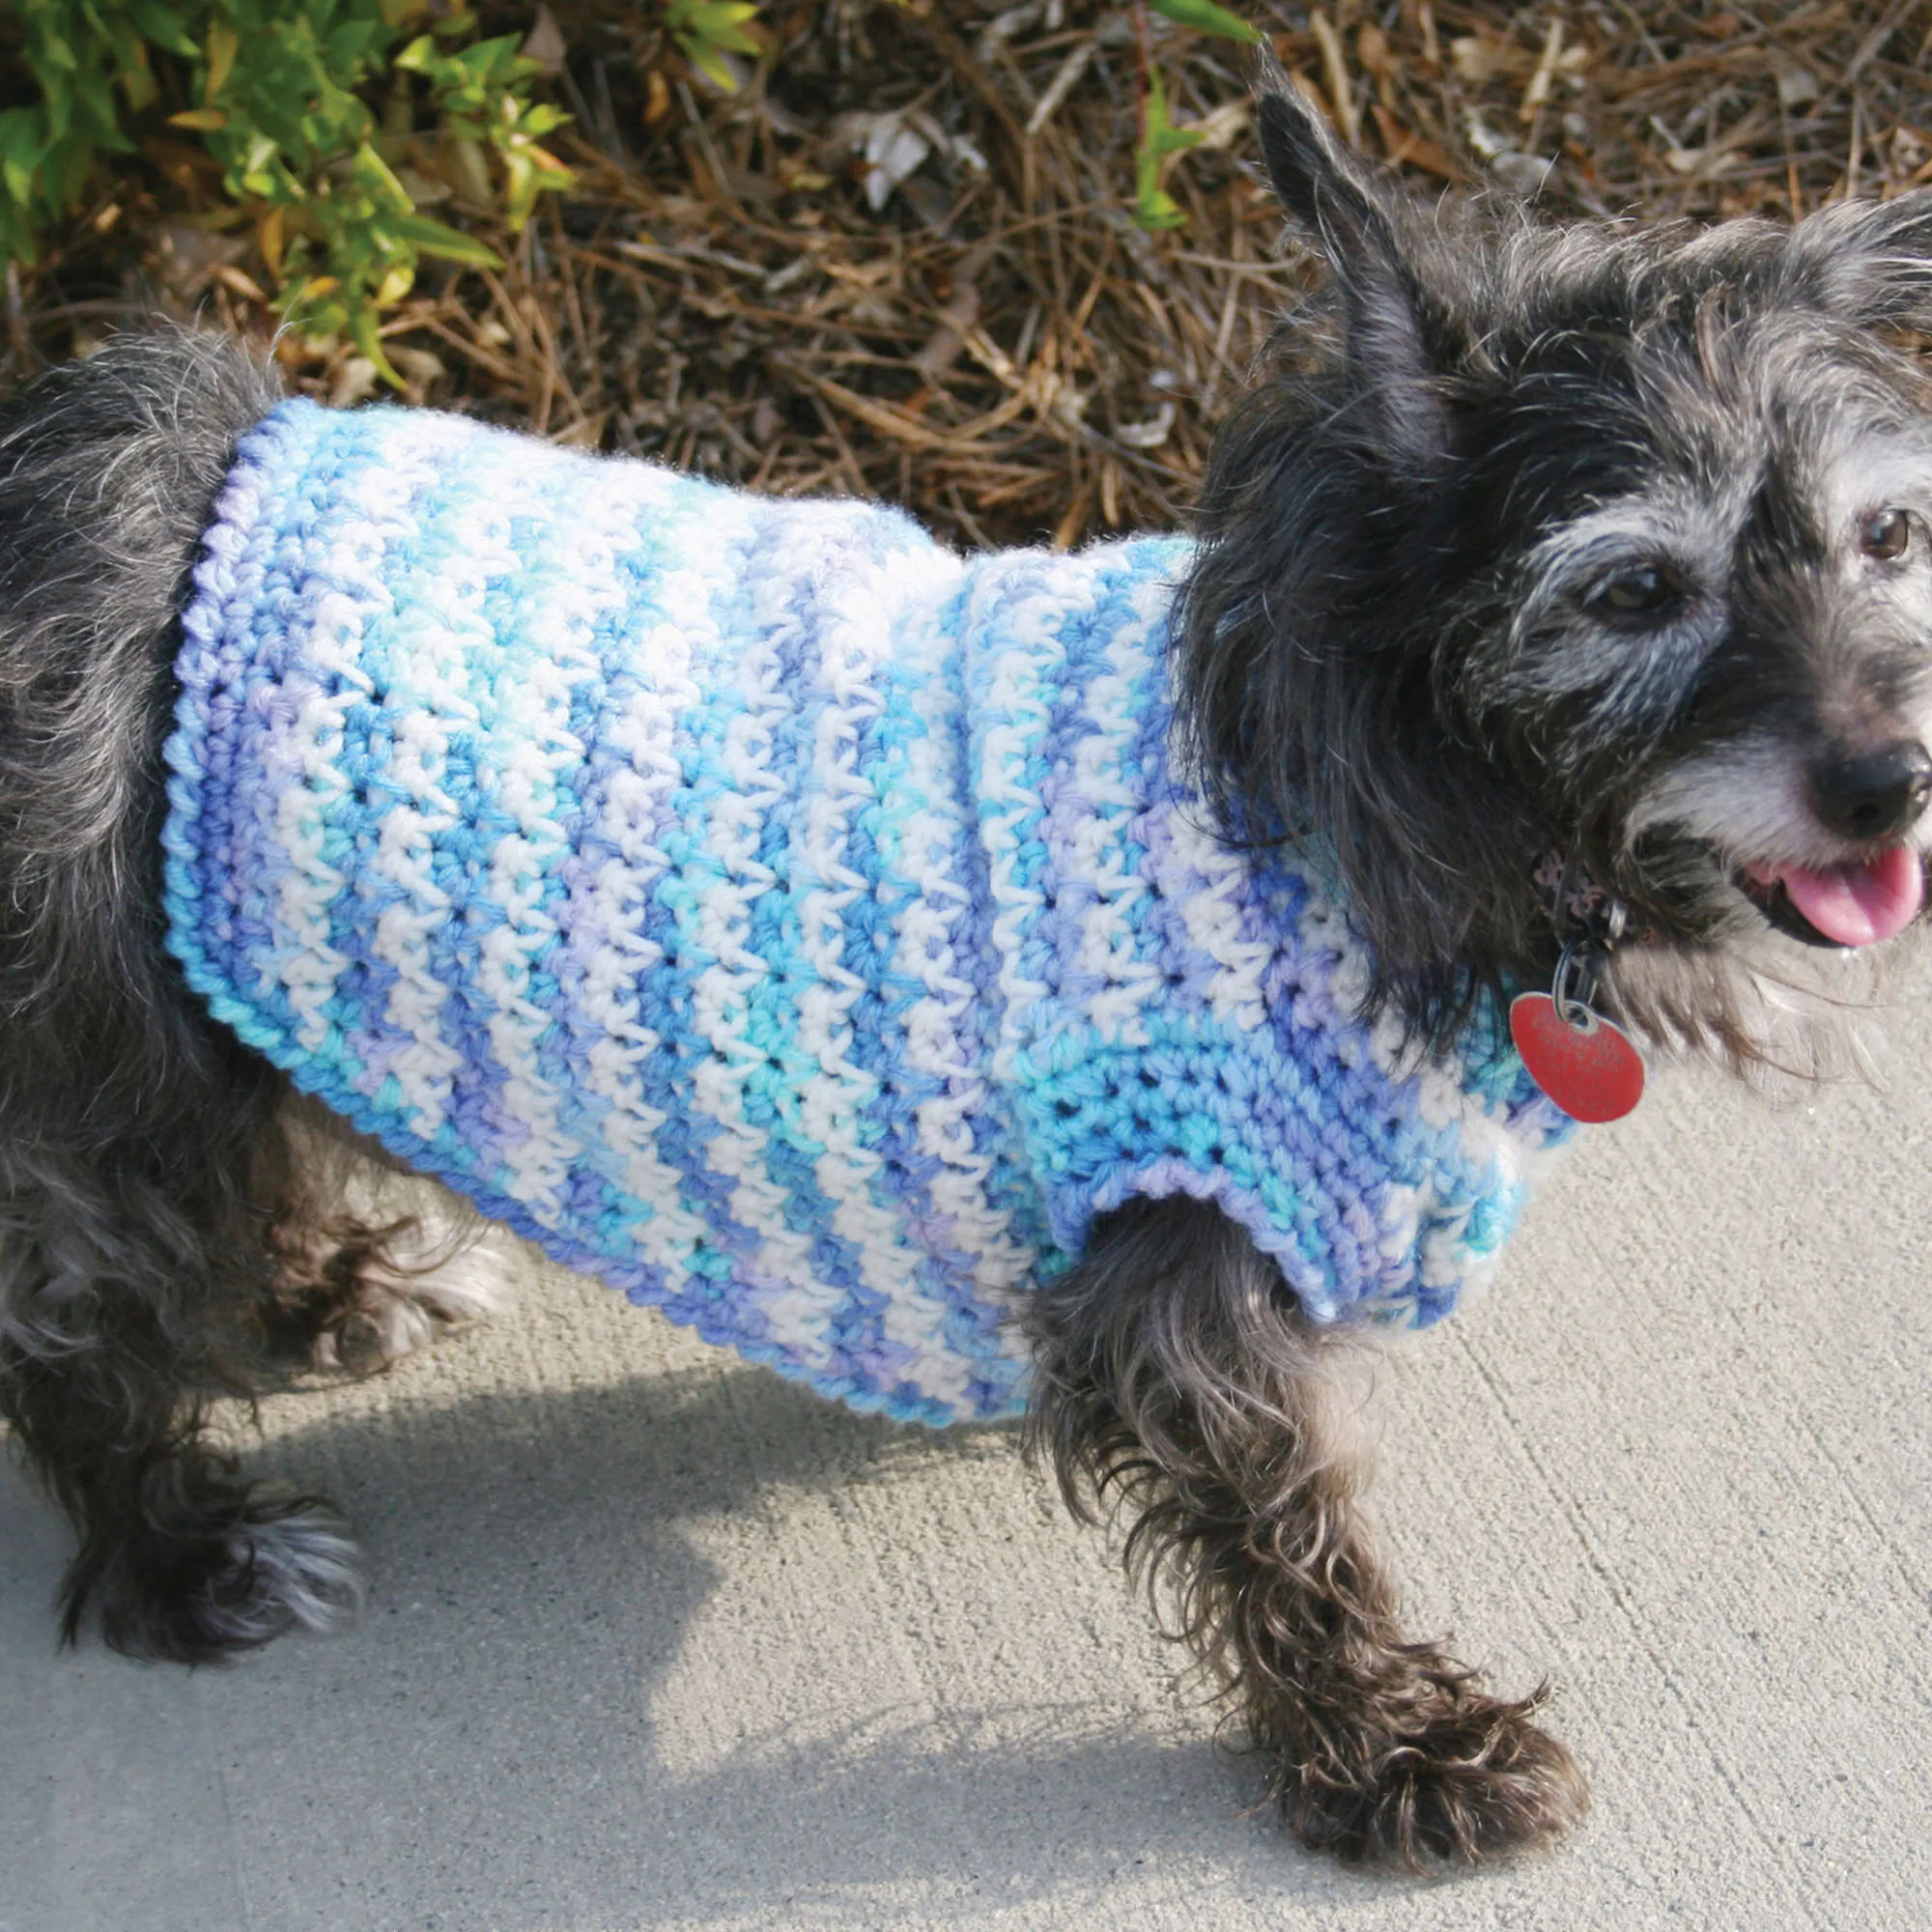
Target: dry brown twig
pixel 901 259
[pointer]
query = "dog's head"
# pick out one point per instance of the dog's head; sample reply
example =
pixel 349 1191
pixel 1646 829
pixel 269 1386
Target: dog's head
pixel 1594 546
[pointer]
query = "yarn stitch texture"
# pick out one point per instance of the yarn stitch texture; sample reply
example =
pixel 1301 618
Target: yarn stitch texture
pixel 759 906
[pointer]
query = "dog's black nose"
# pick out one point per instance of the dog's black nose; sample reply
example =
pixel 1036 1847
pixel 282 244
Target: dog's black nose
pixel 1876 795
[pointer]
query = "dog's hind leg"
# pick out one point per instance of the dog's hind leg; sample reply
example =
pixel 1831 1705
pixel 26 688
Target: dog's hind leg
pixel 134 1280
pixel 137 1272
pixel 1174 1377
pixel 376 1261
pixel 358 1297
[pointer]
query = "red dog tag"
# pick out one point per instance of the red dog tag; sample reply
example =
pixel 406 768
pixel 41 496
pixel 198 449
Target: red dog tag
pixel 1586 1064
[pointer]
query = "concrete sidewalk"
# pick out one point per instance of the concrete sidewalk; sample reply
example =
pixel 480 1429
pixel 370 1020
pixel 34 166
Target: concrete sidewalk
pixel 656 1642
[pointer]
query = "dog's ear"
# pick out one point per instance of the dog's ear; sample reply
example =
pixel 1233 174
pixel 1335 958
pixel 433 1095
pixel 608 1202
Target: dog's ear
pixel 1868 260
pixel 1322 186
pixel 1396 337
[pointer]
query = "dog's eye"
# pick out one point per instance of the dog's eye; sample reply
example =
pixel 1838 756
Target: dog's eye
pixel 1643 590
pixel 1884 533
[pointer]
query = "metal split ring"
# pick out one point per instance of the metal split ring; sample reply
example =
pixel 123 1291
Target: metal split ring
pixel 1580 958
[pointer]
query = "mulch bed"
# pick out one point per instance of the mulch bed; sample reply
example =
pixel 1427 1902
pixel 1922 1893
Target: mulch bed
pixel 901 260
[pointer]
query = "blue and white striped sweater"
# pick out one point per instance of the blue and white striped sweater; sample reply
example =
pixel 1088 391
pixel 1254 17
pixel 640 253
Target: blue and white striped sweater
pixel 756 905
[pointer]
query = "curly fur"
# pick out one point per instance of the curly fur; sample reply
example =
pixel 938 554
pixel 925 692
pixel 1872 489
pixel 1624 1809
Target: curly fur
pixel 1396 650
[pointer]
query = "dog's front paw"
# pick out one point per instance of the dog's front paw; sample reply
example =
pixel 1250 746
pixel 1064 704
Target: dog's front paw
pixel 1473 1780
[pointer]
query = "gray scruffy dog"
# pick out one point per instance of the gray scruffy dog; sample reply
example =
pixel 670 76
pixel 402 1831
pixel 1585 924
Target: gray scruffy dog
pixel 1552 582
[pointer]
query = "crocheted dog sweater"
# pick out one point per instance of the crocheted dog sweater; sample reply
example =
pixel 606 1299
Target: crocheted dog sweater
pixel 759 906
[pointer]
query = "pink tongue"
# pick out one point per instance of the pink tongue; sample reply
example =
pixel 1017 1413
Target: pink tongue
pixel 1859 904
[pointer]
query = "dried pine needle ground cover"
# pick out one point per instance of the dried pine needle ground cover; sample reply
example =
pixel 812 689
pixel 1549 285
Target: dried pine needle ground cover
pixel 902 259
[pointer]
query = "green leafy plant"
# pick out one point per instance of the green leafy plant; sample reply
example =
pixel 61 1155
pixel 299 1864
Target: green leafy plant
pixel 88 64
pixel 478 94
pixel 281 92
pixel 1208 18
pixel 704 30
pixel 1154 209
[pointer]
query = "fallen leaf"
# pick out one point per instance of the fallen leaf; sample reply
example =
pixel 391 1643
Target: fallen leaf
pixel 545 43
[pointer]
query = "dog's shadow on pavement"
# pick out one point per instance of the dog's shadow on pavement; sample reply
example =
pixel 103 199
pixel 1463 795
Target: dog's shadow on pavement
pixel 695 1646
